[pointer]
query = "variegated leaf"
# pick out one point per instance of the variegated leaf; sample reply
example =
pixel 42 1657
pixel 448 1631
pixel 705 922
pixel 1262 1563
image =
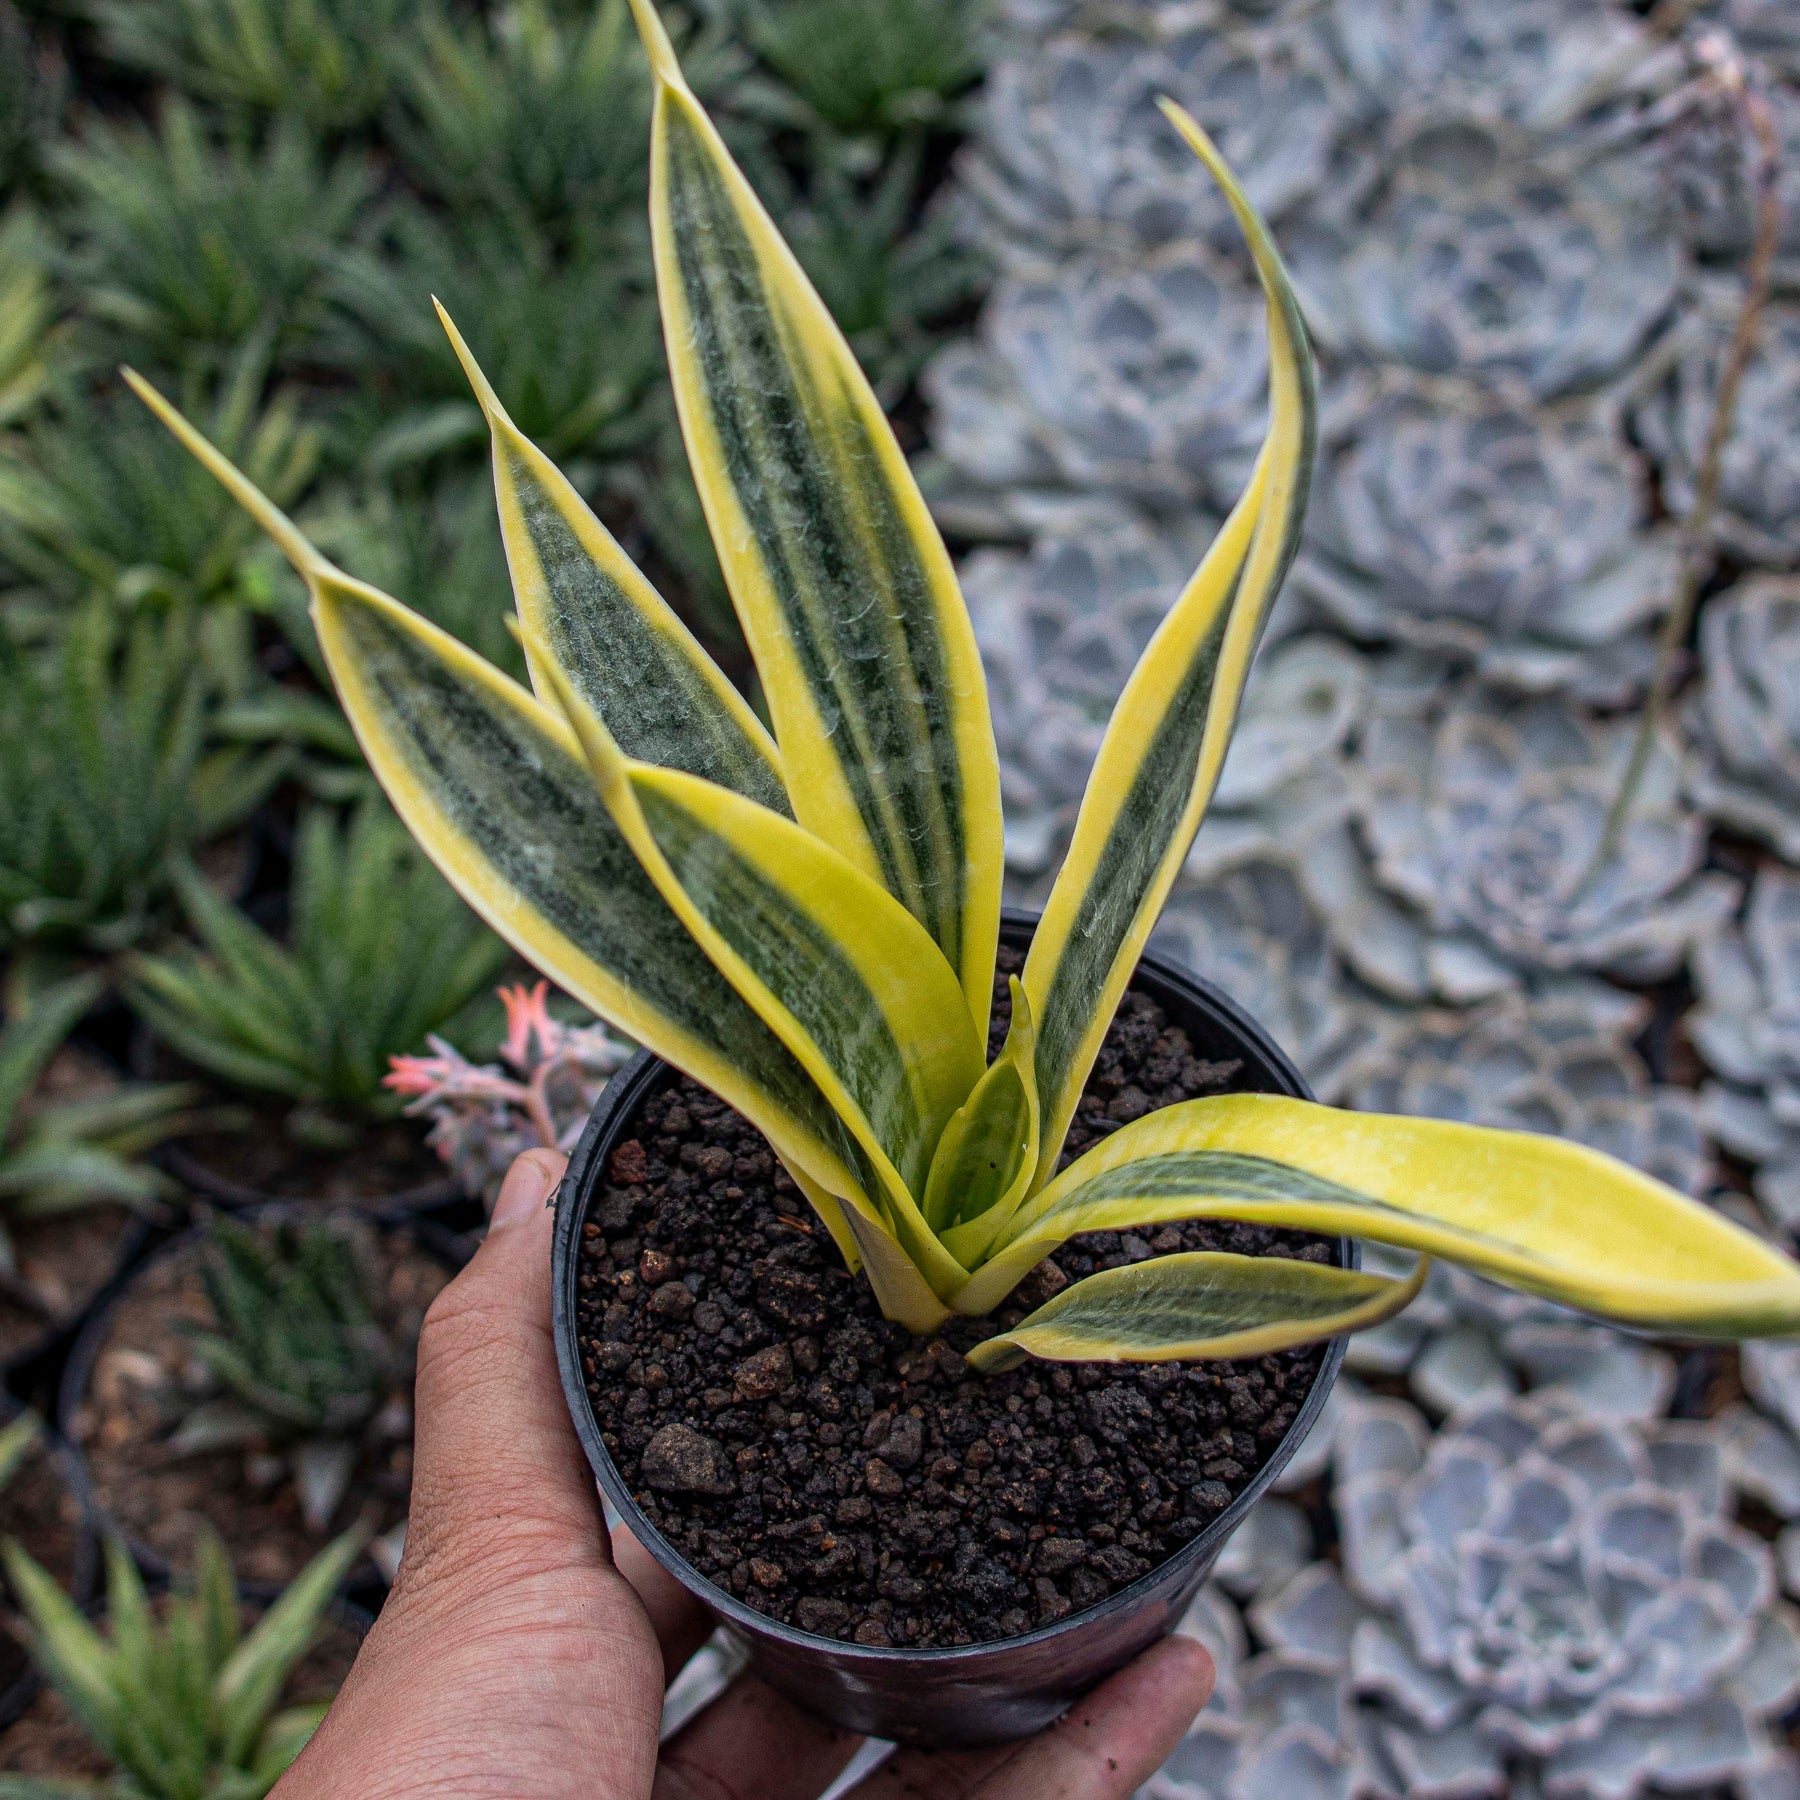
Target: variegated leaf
pixel 1204 1303
pixel 585 603
pixel 842 582
pixel 837 968
pixel 988 1153
pixel 493 785
pixel 1538 1213
pixel 1161 756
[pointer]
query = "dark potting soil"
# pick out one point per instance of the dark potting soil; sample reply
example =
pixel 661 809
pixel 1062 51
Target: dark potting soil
pixel 838 1474
pixel 62 1264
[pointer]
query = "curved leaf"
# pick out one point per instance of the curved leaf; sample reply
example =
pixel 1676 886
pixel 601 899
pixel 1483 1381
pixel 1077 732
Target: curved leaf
pixel 839 575
pixel 835 966
pixel 1166 742
pixel 585 603
pixel 988 1153
pixel 493 785
pixel 1546 1216
pixel 1202 1303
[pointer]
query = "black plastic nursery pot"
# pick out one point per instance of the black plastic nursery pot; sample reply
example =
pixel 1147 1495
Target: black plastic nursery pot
pixel 987 1692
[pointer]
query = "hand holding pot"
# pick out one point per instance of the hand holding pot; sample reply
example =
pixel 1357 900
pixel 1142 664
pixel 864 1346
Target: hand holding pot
pixel 523 1656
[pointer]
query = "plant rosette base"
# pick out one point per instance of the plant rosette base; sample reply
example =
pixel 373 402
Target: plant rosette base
pixel 131 1362
pixel 908 1548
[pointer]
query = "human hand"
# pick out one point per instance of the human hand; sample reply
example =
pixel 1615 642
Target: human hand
pixel 523 1657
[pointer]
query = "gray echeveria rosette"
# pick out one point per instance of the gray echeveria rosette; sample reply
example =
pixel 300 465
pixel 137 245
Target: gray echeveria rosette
pixel 1539 1602
pixel 1485 820
pixel 1759 486
pixel 1744 718
pixel 1074 152
pixel 1537 64
pixel 1251 931
pixel 1060 630
pixel 1144 381
pixel 1747 1028
pixel 1710 159
pixel 1510 536
pixel 1560 1596
pixel 1475 259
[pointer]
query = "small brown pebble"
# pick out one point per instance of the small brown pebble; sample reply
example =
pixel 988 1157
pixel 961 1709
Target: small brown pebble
pixel 882 1480
pixel 905 1442
pixel 763 1375
pixel 672 1300
pixel 630 1167
pixel 681 1460
pixel 1128 1104
pixel 1039 1285
pixel 824 1618
pixel 872 1632
pixel 766 1574
pixel 1056 1555
pixel 655 1267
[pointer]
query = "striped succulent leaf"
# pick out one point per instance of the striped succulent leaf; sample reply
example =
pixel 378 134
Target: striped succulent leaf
pixel 838 574
pixel 585 607
pixel 807 924
pixel 1160 758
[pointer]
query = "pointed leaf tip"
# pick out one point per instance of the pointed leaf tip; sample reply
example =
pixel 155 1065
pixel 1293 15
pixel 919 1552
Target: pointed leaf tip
pixel 308 563
pixel 485 396
pixel 655 38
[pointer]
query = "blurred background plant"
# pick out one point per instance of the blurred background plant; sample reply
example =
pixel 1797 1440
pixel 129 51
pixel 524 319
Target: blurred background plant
pixel 538 1096
pixel 183 1695
pixel 298 1362
pixel 379 954
pixel 59 1154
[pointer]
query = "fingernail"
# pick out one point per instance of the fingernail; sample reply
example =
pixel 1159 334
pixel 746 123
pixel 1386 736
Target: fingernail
pixel 526 1187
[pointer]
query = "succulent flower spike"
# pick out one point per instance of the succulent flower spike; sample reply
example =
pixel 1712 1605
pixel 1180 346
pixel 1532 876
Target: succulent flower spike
pixel 805 921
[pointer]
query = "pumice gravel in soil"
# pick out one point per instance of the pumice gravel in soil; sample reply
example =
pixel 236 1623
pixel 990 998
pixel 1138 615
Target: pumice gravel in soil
pixel 840 1475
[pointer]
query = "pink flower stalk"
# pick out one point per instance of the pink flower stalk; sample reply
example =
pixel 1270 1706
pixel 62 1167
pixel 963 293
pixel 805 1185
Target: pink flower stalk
pixel 482 1116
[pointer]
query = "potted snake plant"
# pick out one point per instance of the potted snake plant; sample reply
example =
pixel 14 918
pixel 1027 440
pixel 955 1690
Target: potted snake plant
pixel 947 1420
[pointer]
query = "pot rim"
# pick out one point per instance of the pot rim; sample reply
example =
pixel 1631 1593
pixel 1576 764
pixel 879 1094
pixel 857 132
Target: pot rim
pixel 624 1094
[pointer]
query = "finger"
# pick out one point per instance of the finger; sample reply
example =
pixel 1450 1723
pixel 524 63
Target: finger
pixel 752 1744
pixel 681 1623
pixel 497 1470
pixel 1103 1748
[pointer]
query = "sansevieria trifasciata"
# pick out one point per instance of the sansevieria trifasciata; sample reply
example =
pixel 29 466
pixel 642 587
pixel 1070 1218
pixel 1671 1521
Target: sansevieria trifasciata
pixel 804 918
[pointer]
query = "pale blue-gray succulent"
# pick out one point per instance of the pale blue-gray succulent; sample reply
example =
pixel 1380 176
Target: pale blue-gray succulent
pixel 1759 486
pixel 1744 720
pixel 1252 931
pixel 1508 536
pixel 1747 1027
pixel 1473 258
pixel 1710 156
pixel 1142 380
pixel 1558 1599
pixel 1060 629
pixel 1486 822
pixel 1073 151
pixel 1540 64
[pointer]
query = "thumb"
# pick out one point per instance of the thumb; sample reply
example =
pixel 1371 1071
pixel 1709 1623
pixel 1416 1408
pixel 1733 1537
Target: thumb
pixel 497 1470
